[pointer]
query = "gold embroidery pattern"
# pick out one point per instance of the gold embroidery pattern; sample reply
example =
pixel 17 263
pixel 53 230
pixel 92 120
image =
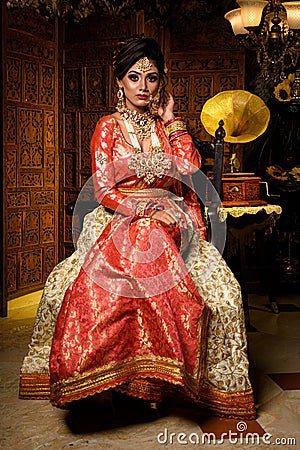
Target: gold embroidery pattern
pixel 35 386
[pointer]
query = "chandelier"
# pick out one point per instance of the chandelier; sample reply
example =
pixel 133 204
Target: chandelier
pixel 272 30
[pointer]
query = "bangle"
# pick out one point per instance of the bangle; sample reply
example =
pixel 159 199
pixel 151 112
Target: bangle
pixel 174 119
pixel 174 127
pixel 149 206
pixel 177 134
pixel 141 207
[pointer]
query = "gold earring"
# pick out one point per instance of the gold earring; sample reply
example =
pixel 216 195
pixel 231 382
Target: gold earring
pixel 154 103
pixel 120 96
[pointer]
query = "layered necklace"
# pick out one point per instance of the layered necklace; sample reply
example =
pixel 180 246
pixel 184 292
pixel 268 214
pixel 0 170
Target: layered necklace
pixel 151 164
pixel 142 122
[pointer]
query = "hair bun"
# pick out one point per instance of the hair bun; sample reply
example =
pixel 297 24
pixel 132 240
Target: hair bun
pixel 130 50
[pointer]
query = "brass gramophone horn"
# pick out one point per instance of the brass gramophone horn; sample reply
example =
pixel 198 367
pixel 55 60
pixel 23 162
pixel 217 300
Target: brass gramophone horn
pixel 245 115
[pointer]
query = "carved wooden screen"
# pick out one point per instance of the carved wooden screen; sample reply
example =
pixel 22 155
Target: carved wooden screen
pixel 88 92
pixel 30 151
pixel 202 61
pixel 196 78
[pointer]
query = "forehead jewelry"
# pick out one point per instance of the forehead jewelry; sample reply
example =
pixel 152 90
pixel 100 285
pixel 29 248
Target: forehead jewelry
pixel 144 64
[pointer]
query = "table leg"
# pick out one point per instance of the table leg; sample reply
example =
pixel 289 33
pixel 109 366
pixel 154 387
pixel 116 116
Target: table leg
pixel 242 279
pixel 266 273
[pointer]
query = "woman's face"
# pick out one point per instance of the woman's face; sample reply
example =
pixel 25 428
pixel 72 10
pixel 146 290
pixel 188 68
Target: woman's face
pixel 140 84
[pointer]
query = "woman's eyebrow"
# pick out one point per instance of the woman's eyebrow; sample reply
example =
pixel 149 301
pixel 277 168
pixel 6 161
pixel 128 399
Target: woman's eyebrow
pixel 140 73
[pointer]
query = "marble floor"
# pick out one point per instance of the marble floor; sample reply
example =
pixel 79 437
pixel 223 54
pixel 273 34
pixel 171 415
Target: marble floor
pixel 274 354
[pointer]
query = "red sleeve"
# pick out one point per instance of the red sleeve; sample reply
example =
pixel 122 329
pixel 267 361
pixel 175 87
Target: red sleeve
pixel 186 156
pixel 103 167
pixel 188 160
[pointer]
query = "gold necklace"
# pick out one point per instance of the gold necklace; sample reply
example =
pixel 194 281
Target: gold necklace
pixel 147 165
pixel 142 122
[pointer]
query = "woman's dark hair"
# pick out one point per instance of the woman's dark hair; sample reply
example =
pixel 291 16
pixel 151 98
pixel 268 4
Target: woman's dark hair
pixel 131 51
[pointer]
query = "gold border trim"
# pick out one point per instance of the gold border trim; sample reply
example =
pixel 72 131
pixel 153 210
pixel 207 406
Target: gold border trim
pixel 104 378
pixel 155 192
pixel 35 386
pixel 235 405
pixel 136 368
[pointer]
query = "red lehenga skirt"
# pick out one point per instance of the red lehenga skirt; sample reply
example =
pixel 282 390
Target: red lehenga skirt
pixel 138 318
pixel 124 323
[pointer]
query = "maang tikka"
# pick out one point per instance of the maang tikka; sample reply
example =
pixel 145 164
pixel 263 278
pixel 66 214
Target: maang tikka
pixel 144 64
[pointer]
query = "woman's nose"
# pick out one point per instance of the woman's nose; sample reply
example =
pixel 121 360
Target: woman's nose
pixel 143 85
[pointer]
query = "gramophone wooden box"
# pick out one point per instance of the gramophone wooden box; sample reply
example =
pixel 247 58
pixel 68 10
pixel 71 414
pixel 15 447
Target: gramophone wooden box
pixel 241 189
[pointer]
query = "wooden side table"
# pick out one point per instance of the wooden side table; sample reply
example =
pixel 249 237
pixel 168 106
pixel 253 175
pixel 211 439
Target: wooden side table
pixel 245 225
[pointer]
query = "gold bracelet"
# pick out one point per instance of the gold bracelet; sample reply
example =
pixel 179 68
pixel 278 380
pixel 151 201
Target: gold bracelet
pixel 174 127
pixel 140 208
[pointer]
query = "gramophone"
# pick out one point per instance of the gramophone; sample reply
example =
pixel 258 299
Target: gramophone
pixel 245 117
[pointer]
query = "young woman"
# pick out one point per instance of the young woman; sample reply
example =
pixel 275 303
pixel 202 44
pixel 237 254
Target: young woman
pixel 145 306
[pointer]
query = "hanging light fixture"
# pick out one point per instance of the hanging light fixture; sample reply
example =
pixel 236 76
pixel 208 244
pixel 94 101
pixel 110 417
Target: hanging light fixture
pixel 272 30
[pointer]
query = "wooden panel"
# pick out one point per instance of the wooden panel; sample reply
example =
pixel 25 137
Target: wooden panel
pixel 198 77
pixel 30 269
pixel 47 228
pixel 87 126
pixel 11 166
pixel 96 79
pixel 70 127
pixel 30 82
pixel 11 122
pixel 47 88
pixel 11 273
pixel 13 79
pixel 30 138
pixel 73 94
pixel 31 228
pixel 15 229
pixel 30 156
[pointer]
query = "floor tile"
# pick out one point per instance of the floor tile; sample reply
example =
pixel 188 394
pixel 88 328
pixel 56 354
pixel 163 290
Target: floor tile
pixel 220 427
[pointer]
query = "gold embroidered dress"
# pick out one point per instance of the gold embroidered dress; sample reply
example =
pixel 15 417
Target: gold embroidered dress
pixel 147 309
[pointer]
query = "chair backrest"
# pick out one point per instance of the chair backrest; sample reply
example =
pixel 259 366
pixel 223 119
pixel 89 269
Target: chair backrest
pixel 211 185
pixel 212 158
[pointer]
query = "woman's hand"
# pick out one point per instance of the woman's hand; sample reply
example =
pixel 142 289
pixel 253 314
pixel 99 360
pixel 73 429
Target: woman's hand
pixel 165 110
pixel 163 217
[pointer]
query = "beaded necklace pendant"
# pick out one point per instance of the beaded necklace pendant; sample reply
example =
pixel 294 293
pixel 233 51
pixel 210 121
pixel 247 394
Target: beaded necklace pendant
pixel 148 165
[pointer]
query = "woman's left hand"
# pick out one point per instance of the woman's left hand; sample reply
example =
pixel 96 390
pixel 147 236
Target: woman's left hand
pixel 163 217
pixel 165 110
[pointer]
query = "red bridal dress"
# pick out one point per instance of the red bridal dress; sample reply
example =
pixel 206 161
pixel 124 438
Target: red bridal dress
pixel 151 311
